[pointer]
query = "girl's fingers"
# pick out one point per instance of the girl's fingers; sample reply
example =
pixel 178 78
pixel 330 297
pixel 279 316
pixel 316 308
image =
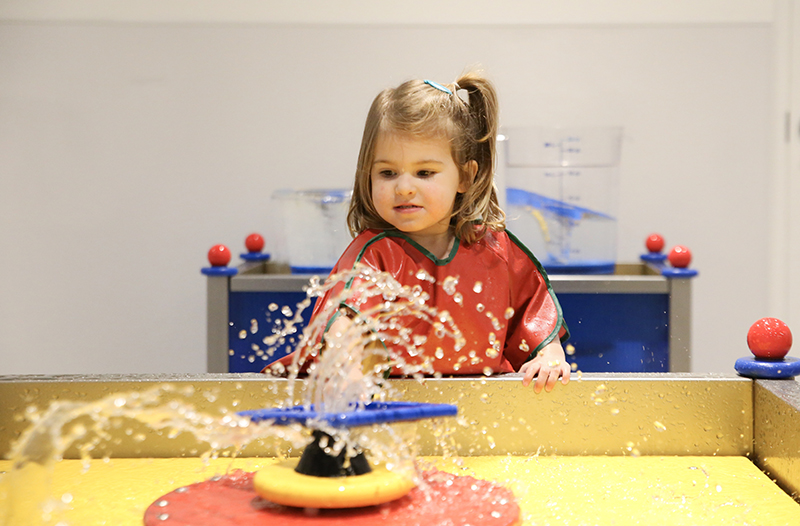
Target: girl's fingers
pixel 551 378
pixel 541 379
pixel 546 378
pixel 530 372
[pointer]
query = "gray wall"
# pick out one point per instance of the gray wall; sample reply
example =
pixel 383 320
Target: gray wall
pixel 128 149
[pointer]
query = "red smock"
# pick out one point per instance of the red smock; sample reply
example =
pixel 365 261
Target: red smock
pixel 507 312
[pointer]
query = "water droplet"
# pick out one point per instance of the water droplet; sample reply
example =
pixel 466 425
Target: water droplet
pixel 615 411
pixel 509 313
pixel 422 275
pixel 163 517
pixel 491 352
pixel 478 287
pixel 569 349
pixel 449 285
pixel 242 334
pixel 479 307
pixel 523 346
pixel 458 298
pixel 485 397
pixel 439 353
pixel 273 307
pixel 660 426
pixel 286 311
pixel 66 498
pixel 487 371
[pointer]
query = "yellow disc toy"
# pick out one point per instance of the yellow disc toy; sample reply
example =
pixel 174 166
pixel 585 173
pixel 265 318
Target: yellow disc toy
pixel 280 483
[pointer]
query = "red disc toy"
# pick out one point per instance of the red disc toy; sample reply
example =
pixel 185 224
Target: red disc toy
pixel 769 339
pixel 254 243
pixel 219 256
pixel 654 243
pixel 679 256
pixel 231 501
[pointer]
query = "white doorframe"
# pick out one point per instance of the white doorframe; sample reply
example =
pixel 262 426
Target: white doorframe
pixel 793 174
pixel 783 259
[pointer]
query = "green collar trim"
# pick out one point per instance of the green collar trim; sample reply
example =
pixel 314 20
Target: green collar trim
pixel 420 248
pixel 424 251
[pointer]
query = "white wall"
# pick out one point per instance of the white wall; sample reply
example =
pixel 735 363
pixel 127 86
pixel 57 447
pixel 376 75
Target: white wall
pixel 128 149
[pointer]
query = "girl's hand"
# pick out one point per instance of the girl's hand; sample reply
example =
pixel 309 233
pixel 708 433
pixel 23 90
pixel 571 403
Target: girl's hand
pixel 547 366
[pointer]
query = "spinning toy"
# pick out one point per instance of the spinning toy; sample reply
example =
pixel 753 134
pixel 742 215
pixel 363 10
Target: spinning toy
pixel 340 488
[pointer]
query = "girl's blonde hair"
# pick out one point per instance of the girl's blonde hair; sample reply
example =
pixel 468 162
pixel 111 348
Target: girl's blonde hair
pixel 422 110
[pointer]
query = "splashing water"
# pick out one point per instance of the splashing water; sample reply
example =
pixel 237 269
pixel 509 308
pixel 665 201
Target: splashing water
pixel 90 426
pixel 338 381
pixel 353 367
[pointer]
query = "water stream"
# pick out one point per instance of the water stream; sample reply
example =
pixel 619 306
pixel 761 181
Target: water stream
pixel 337 381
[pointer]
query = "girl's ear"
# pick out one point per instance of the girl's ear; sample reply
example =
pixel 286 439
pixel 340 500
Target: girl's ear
pixel 472 171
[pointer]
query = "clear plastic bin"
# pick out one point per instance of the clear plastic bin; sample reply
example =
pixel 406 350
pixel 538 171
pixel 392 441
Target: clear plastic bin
pixel 561 195
pixel 314 228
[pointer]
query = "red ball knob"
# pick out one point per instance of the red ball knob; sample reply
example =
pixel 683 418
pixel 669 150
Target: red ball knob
pixel 219 256
pixel 654 243
pixel 769 339
pixel 254 243
pixel 680 256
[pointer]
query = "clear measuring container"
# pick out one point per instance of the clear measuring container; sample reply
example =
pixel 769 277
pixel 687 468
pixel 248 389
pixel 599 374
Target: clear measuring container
pixel 314 228
pixel 561 195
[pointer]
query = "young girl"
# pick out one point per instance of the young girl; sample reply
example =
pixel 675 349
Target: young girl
pixel 424 200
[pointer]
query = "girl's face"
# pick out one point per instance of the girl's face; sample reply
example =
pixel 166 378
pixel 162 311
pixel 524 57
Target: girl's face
pixel 414 185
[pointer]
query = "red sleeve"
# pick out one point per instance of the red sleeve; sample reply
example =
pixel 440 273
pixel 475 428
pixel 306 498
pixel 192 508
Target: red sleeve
pixel 537 318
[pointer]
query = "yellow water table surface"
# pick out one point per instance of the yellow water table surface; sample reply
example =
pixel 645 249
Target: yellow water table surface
pixel 576 490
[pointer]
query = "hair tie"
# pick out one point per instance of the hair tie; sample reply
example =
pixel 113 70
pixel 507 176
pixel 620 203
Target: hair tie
pixel 438 86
